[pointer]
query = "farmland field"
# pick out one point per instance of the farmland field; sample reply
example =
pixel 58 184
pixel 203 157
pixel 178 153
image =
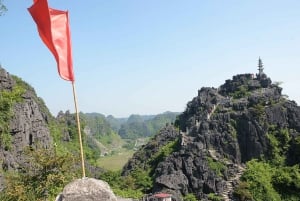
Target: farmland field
pixel 116 161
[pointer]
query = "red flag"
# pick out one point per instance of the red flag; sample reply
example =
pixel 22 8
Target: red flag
pixel 53 28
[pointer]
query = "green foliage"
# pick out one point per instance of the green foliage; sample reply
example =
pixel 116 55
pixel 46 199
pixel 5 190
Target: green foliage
pixel 159 121
pixel 111 177
pixel 232 128
pixel 190 197
pixel 91 150
pixel 142 179
pixel 275 150
pixel 279 144
pixel 164 152
pixel 258 110
pixel 134 130
pixel 127 186
pixel 214 197
pixel 296 146
pixel 115 123
pixel 129 145
pixel 7 101
pixel 128 193
pixel 100 134
pixel 272 179
pixel 43 176
pixel 241 92
pixel 98 127
pixel 259 178
pixel 138 126
pixel 64 132
pixel 217 166
pixel 242 192
pixel 286 181
pixel 262 181
pixel 110 140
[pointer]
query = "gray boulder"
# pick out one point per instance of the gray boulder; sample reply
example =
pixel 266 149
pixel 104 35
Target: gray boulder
pixel 87 189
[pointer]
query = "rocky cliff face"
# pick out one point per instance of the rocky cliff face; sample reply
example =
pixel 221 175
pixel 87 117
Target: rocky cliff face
pixel 27 125
pixel 220 130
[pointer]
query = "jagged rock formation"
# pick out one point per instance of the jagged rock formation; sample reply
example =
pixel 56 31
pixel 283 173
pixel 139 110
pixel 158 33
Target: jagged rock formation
pixel 27 127
pixel 25 124
pixel 220 130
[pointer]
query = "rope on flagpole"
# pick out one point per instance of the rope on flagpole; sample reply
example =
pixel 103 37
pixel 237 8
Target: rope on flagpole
pixel 79 130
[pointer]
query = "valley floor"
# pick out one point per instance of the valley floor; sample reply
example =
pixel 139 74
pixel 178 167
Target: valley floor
pixel 116 161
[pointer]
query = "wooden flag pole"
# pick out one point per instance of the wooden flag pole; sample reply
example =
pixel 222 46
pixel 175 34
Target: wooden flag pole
pixel 79 130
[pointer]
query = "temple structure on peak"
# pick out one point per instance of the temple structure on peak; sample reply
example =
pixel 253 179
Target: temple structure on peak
pixel 252 81
pixel 261 75
pixel 260 67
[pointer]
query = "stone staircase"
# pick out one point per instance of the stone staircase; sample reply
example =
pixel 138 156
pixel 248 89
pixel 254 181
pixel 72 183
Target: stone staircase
pixel 212 111
pixel 229 185
pixel 230 182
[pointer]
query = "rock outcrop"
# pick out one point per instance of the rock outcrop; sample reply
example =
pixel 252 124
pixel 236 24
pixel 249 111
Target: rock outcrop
pixel 27 127
pixel 220 130
pixel 87 189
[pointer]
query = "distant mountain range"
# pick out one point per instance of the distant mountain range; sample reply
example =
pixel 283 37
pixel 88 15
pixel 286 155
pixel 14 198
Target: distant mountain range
pixel 133 127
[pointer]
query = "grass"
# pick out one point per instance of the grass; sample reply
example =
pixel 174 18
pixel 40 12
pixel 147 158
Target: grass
pixel 116 161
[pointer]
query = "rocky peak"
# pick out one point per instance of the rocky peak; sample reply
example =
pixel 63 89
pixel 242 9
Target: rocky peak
pixel 6 81
pixel 220 130
pixel 249 81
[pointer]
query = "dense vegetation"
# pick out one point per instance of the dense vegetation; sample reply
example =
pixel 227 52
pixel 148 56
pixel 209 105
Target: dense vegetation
pixel 115 135
pixel 101 134
pixel 49 171
pixel 272 177
pixel 134 127
pixel 144 126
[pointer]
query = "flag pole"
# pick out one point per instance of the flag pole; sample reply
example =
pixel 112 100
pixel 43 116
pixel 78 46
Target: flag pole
pixel 79 130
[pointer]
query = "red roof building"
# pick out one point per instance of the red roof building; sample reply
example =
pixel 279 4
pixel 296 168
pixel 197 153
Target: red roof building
pixel 162 197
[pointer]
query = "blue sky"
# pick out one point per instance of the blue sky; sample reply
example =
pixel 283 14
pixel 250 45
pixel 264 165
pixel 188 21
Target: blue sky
pixel 148 57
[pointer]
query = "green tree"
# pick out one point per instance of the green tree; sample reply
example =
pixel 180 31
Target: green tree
pixel 259 178
pixel 189 197
pixel 286 181
pixel 214 197
pixel 42 176
pixel 142 179
pixel 124 186
pixel 243 191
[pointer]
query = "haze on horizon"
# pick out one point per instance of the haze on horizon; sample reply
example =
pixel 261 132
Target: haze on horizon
pixel 148 57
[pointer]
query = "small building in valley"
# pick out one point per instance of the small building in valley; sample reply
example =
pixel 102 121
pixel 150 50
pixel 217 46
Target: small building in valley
pixel 161 197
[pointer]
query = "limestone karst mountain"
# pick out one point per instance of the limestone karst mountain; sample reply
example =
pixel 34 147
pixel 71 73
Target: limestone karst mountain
pixel 221 135
pixel 240 141
pixel 23 121
pixel 39 153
